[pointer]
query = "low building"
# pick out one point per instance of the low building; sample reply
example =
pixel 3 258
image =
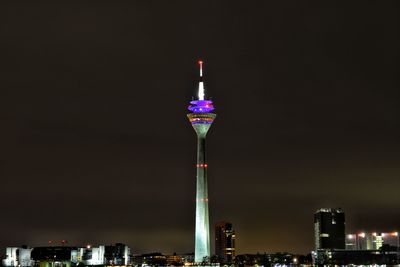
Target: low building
pixel 93 255
pixel 65 256
pixel 17 256
pixel 187 258
pixel 118 254
pixel 269 259
pixel 355 257
pixel 150 259
pixel 55 256
pixel 174 260
pixel 371 241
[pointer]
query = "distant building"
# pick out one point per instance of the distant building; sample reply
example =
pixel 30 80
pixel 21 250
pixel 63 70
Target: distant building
pixel 343 257
pixel 65 256
pixel 159 259
pixel 150 259
pixel 59 256
pixel 119 254
pixel 174 260
pixel 93 255
pixel 225 242
pixel 187 258
pixel 329 229
pixel 371 241
pixel 17 256
pixel 274 259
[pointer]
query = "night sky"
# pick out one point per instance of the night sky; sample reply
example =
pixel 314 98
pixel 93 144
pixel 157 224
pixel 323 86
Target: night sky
pixel 96 147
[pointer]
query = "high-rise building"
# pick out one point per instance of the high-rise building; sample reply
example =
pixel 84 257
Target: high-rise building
pixel 201 119
pixel 225 242
pixel 329 229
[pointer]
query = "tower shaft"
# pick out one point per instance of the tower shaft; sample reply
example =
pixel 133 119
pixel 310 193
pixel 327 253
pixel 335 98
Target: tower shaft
pixel 202 241
pixel 201 123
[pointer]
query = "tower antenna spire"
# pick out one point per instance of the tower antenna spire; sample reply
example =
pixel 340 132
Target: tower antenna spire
pixel 201 68
pixel 201 93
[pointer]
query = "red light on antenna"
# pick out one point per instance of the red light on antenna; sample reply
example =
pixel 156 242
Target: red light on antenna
pixel 201 62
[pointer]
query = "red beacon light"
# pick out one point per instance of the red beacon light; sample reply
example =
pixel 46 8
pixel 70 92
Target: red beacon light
pixel 201 62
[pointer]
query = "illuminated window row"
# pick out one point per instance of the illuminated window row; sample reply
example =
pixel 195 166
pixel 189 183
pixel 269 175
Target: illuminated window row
pixel 203 199
pixel 201 119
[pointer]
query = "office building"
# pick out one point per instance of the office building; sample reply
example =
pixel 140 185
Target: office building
pixel 372 241
pixel 17 256
pixel 225 242
pixel 54 256
pixel 93 255
pixel 342 257
pixel 65 256
pixel 118 254
pixel 329 229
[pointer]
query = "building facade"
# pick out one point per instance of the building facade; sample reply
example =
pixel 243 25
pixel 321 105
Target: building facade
pixel 329 229
pixel 225 242
pixel 372 241
pixel 66 256
pixel 17 256
pixel 342 257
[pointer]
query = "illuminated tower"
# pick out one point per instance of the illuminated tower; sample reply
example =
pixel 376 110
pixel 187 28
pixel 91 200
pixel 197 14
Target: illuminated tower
pixel 201 119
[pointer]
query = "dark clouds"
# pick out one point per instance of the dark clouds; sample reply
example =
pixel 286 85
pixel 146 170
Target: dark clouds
pixel 96 148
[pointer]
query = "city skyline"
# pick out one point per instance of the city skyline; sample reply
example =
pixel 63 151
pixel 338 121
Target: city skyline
pixel 95 146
